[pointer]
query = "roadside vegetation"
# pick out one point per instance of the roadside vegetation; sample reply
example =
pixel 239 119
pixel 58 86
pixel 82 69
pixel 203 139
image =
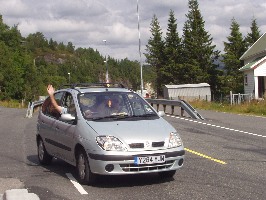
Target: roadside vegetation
pixel 250 108
pixel 12 104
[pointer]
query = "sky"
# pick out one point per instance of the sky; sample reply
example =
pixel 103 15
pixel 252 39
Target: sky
pixel 111 26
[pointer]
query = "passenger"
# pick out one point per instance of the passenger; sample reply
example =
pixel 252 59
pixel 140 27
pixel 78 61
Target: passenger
pixel 89 110
pixel 60 109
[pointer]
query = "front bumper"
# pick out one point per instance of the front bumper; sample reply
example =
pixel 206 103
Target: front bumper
pixel 124 164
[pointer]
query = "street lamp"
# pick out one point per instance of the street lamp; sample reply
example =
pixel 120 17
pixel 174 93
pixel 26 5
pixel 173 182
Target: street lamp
pixel 106 75
pixel 68 77
pixel 141 76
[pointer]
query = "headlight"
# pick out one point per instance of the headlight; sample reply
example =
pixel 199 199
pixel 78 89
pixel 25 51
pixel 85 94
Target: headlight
pixel 110 143
pixel 174 140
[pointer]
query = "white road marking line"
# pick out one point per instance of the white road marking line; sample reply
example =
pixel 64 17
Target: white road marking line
pixel 76 184
pixel 222 127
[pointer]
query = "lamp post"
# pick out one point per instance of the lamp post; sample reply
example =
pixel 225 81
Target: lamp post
pixel 106 75
pixel 68 77
pixel 141 76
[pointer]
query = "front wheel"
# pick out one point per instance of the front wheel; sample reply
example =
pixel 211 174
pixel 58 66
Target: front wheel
pixel 85 176
pixel 167 174
pixel 43 156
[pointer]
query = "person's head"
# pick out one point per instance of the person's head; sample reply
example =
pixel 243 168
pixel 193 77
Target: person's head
pixel 83 100
pixel 113 102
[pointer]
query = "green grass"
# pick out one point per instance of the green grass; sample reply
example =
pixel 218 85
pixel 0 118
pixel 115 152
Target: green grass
pixel 12 104
pixel 250 108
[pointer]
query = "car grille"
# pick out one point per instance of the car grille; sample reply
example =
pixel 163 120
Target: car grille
pixel 157 144
pixel 147 167
pixel 141 145
pixel 136 145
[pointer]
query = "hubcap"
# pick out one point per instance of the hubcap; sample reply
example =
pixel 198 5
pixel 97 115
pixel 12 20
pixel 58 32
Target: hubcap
pixel 81 166
pixel 41 150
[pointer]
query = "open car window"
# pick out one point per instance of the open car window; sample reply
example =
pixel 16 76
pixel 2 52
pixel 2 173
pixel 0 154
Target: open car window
pixel 49 109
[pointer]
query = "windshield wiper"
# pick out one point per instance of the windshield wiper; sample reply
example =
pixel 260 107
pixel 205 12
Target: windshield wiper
pixel 146 115
pixel 118 116
pixel 113 116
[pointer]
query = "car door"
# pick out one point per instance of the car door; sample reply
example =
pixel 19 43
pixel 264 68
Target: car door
pixel 47 123
pixel 65 130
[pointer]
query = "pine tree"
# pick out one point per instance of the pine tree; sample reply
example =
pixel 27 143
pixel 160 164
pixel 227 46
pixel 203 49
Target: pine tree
pixel 234 49
pixel 171 70
pixel 198 51
pixel 155 53
pixel 254 35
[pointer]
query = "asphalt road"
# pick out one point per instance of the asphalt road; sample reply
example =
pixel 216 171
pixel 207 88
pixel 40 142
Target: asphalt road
pixel 225 159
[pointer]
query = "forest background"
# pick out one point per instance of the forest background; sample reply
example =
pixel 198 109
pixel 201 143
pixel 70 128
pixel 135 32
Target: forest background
pixel 28 64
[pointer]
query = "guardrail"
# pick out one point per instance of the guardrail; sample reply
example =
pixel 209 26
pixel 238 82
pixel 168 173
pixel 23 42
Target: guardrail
pixel 32 106
pixel 185 106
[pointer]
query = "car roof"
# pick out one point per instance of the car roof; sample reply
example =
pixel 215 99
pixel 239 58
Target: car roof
pixel 94 87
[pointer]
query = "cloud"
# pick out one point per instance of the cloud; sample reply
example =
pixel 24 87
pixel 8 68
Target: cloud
pixel 86 23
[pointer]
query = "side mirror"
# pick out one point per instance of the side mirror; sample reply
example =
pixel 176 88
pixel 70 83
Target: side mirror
pixel 161 113
pixel 67 117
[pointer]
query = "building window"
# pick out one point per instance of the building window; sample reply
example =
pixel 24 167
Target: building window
pixel 246 79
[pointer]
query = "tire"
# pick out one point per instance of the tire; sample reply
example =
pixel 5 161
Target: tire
pixel 43 156
pixel 85 176
pixel 167 174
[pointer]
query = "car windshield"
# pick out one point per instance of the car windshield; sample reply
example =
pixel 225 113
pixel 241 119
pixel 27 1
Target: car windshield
pixel 111 105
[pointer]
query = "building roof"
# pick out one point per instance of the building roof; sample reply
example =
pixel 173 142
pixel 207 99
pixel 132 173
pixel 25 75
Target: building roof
pixel 251 65
pixel 187 86
pixel 258 47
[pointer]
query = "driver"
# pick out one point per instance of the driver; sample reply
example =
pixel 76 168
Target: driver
pixel 113 107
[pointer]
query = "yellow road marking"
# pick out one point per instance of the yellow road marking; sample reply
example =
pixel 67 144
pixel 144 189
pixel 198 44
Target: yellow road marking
pixel 204 156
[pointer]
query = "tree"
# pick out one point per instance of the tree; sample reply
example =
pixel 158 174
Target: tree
pixel 234 49
pixel 37 43
pixel 155 53
pixel 171 71
pixel 70 48
pixel 198 51
pixel 254 35
pixel 53 45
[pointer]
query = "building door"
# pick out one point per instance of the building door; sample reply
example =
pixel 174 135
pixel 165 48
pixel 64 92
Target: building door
pixel 261 86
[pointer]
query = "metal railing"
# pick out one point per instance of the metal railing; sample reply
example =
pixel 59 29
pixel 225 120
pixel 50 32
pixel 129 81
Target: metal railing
pixel 239 98
pixel 184 106
pixel 32 106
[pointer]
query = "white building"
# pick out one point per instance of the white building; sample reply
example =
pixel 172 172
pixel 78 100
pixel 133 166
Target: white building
pixel 255 68
pixel 187 92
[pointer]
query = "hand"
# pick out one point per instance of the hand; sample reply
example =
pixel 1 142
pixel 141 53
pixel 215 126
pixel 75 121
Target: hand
pixel 50 90
pixel 88 113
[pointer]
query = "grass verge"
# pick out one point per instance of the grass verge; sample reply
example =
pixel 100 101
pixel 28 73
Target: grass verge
pixel 12 104
pixel 249 108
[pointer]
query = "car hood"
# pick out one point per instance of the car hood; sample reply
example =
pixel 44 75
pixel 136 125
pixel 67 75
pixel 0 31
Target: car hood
pixel 134 131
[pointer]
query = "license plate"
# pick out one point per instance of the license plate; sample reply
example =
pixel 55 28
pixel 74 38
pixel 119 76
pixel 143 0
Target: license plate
pixel 149 159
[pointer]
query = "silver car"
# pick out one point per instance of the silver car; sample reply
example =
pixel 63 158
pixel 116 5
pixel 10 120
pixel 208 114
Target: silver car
pixel 108 130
